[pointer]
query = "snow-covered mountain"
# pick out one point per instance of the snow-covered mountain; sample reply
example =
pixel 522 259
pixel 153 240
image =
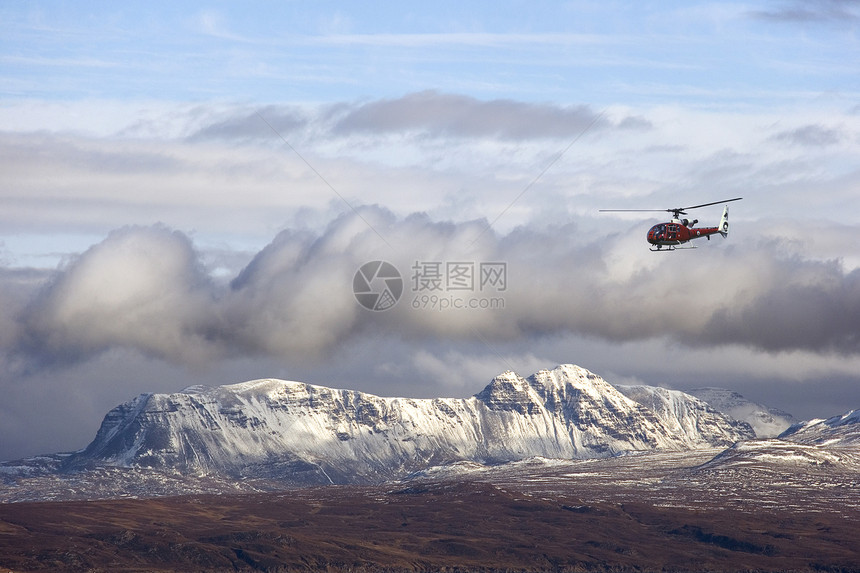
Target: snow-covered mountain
pixel 767 422
pixel 837 431
pixel 687 415
pixel 314 434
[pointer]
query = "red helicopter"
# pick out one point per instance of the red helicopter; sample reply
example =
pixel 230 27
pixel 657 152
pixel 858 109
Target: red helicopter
pixel 679 231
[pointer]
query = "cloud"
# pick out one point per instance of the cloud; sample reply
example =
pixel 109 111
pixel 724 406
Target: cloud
pixel 811 135
pixel 16 290
pixel 835 11
pixel 438 114
pixel 141 288
pixel 807 305
pixel 294 298
pixel 145 289
pixel 65 183
pixel 256 124
pixel 429 113
pixel 221 171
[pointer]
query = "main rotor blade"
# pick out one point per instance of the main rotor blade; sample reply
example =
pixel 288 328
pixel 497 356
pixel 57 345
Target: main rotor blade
pixel 679 210
pixel 707 204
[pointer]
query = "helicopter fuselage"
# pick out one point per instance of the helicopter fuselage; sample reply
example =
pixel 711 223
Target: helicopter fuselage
pixel 677 232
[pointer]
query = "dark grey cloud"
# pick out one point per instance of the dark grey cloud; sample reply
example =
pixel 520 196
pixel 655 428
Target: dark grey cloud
pixel 799 11
pixel 441 114
pixel 811 135
pixel 254 124
pixel 17 287
pixel 429 113
pixel 810 305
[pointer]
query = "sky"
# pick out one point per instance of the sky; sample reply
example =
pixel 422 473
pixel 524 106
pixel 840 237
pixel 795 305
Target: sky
pixel 190 193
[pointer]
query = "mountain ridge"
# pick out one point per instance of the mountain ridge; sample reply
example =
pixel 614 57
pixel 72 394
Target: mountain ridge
pixel 838 430
pixel 268 435
pixel 268 427
pixel 767 422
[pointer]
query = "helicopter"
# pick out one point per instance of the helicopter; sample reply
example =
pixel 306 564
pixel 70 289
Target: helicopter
pixel 679 231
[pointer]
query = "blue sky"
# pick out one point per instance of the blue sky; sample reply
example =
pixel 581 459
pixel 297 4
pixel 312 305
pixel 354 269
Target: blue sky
pixel 701 53
pixel 186 190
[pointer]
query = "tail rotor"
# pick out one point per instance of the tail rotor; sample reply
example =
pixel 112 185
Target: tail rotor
pixel 724 222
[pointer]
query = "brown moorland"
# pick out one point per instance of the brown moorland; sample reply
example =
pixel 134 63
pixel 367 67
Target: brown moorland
pixel 422 526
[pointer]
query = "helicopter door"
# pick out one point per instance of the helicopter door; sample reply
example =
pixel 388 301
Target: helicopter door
pixel 672 232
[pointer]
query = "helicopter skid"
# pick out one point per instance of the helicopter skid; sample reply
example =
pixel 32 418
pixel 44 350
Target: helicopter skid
pixel 660 249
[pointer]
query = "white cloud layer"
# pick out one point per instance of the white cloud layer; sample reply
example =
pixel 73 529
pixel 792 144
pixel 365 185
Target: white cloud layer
pixel 221 170
pixel 145 288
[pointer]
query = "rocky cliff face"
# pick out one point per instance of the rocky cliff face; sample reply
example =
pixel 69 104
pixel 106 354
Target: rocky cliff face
pixel 270 428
